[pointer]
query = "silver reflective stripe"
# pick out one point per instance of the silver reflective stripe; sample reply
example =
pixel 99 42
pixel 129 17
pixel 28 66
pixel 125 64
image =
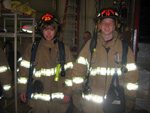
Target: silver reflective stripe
pixel 93 98
pixel 3 69
pixel 46 97
pixel 131 67
pixel 78 80
pixel 22 80
pixel 7 87
pixel 68 82
pixel 25 64
pixel 132 86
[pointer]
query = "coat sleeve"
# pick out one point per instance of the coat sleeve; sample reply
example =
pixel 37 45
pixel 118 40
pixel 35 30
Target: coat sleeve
pixel 80 69
pixel 131 79
pixel 23 73
pixel 69 60
pixel 5 75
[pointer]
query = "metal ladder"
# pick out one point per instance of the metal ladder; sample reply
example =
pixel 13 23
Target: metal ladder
pixel 70 26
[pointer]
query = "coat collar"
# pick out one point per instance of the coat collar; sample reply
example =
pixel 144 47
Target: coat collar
pixel 48 43
pixel 103 42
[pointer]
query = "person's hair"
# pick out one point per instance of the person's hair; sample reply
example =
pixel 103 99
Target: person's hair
pixel 49 23
pixel 108 17
pixel 88 32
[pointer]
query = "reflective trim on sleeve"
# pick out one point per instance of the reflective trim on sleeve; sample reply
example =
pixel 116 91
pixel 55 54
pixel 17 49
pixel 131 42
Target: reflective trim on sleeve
pixel 4 69
pixel 19 59
pixel 68 82
pixel 93 98
pixel 25 64
pixel 68 65
pixel 22 80
pixel 82 60
pixel 131 67
pixel 6 87
pixel 78 80
pixel 132 86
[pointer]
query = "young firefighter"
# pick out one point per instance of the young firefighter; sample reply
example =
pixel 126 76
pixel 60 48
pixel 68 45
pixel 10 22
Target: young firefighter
pixel 102 66
pixel 49 87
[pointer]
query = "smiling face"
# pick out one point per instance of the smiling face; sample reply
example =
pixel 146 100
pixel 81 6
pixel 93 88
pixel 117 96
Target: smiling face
pixel 49 30
pixel 107 27
pixel 49 33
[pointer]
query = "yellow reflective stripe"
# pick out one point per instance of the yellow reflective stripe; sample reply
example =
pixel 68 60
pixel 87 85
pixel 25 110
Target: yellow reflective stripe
pixel 82 60
pixel 22 80
pixel 131 67
pixel 7 87
pixel 68 82
pixel 68 65
pixel 4 69
pixel 104 71
pixel 78 80
pixel 57 95
pixel 132 86
pixel 94 98
pixel 25 64
pixel 47 97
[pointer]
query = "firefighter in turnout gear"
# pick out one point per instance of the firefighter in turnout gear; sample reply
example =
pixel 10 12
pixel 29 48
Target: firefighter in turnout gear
pixel 101 67
pixel 50 88
pixel 5 76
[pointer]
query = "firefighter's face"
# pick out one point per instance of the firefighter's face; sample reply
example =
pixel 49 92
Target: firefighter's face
pixel 49 32
pixel 86 37
pixel 107 26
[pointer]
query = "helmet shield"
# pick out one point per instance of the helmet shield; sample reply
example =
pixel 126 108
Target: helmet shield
pixel 107 13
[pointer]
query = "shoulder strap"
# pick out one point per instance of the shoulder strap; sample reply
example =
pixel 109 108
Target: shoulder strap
pixel 93 43
pixel 124 56
pixel 32 59
pixel 62 57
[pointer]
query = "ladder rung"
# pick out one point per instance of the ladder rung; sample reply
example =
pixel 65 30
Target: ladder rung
pixel 70 29
pixel 70 13
pixel 74 6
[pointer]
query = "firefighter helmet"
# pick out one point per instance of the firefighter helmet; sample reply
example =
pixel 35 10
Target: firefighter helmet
pixel 107 13
pixel 47 18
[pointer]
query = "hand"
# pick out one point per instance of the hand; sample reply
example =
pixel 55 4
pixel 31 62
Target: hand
pixel 23 97
pixel 66 99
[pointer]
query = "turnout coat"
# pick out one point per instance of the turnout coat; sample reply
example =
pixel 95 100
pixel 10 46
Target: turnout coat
pixel 45 67
pixel 5 76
